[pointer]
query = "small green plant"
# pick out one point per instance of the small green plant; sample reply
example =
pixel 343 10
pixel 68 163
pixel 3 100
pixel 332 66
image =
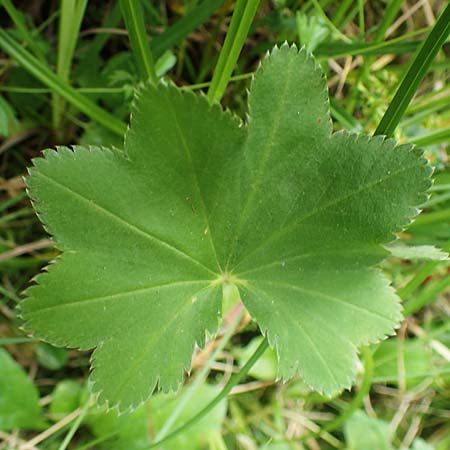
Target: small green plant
pixel 19 401
pixel 280 208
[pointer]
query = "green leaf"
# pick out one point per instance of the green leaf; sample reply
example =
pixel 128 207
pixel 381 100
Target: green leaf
pixel 66 398
pixel 19 398
pixel 120 431
pixel 266 366
pixel 198 435
pixel 164 63
pixel 364 432
pixel 429 252
pixel 132 430
pixel 413 354
pixel 8 120
pixel 312 30
pixel 420 444
pixel 289 213
pixel 50 357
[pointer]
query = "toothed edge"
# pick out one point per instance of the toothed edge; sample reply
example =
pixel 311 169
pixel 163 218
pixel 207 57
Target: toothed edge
pixel 48 155
pixel 95 387
pixel 186 366
pixel 308 58
pixel 39 280
pixel 295 367
pixel 199 99
pixel 60 153
pixel 391 145
pixel 397 318
pixel 139 90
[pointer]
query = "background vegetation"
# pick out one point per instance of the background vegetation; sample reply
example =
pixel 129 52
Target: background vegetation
pixel 67 76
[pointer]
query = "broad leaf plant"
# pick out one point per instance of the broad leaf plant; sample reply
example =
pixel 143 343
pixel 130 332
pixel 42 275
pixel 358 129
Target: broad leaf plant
pixel 291 214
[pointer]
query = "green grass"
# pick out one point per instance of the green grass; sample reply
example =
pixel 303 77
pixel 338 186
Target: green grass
pixel 67 76
pixel 415 74
pixel 134 21
pixel 241 21
pixel 69 24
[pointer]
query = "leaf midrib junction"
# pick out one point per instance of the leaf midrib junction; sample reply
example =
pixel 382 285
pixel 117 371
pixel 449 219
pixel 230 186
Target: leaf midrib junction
pixel 188 151
pixel 257 181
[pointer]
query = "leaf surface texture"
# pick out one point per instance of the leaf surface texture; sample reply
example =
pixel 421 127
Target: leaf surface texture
pixel 290 213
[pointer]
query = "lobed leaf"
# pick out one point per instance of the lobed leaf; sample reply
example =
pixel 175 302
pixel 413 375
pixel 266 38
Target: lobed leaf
pixel 291 214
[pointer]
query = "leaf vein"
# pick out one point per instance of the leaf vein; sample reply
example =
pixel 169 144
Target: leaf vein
pixel 327 297
pixel 121 294
pixel 301 328
pixel 187 148
pixel 281 231
pixel 150 343
pixel 150 236
pixel 263 161
pixel 299 257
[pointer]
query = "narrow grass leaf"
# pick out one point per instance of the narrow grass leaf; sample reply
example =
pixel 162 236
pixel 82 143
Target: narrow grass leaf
pixel 50 79
pixel 234 41
pixel 70 19
pixel 415 74
pixel 134 21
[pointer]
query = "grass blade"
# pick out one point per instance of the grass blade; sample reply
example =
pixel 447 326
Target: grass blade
pixel 341 10
pixel 427 296
pixel 390 14
pixel 415 74
pixel 27 37
pixel 134 21
pixel 234 41
pixel 182 27
pixel 396 46
pixel 433 138
pixel 233 381
pixel 50 79
pixel 70 19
